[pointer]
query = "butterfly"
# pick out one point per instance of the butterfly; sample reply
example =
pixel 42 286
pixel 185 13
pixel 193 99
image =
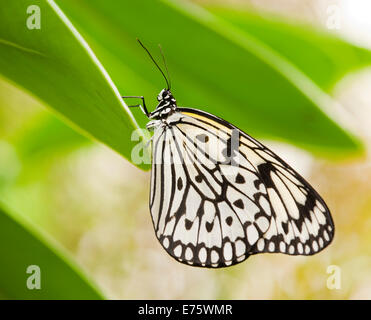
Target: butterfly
pixel 218 195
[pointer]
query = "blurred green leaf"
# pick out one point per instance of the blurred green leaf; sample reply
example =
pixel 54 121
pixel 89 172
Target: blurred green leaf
pixel 215 66
pixel 321 55
pixel 54 64
pixel 44 136
pixel 32 139
pixel 23 245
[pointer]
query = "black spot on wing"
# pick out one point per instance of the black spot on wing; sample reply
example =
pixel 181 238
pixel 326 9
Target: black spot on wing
pixel 202 138
pixel 180 183
pixel 240 179
pixel 285 227
pixel 209 226
pixel 239 204
pixel 265 170
pixel 188 224
pixel 229 221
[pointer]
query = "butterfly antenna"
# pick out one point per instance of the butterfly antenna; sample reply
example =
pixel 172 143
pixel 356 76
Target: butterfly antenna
pixel 167 70
pixel 154 61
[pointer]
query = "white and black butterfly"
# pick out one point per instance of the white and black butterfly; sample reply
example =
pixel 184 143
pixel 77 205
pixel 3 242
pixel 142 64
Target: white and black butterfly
pixel 218 195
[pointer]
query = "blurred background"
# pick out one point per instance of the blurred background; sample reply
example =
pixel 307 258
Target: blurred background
pixel 82 193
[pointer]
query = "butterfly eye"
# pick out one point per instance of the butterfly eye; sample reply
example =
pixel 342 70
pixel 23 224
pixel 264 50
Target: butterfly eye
pixel 161 95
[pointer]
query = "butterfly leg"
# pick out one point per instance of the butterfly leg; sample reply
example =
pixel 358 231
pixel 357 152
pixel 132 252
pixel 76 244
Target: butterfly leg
pixel 142 107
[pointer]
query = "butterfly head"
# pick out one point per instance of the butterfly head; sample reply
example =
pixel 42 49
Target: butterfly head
pixel 166 104
pixel 165 96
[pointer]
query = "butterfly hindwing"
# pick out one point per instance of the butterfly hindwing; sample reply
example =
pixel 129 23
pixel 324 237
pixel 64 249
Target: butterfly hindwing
pixel 207 212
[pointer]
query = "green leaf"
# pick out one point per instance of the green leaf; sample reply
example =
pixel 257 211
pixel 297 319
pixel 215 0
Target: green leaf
pixel 56 65
pixel 46 135
pixel 216 66
pixel 322 56
pixel 23 245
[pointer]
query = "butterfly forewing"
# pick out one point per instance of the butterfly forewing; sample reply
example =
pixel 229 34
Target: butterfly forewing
pixel 214 202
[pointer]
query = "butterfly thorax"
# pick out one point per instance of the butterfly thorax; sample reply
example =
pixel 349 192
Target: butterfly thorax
pixel 166 106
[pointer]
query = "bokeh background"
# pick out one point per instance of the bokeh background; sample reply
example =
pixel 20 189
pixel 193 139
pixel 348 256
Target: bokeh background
pixel 94 202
